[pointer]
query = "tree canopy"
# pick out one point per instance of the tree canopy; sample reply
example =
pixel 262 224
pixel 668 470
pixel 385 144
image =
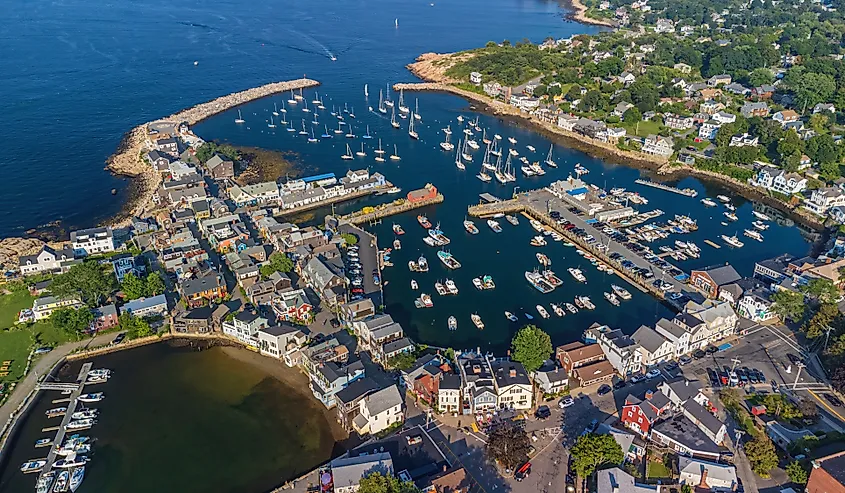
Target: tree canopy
pixel 377 482
pixel 278 262
pixel 592 451
pixel 531 347
pixel 86 281
pixel 71 321
pixel 788 304
pixel 761 454
pixel 508 444
pixel 135 327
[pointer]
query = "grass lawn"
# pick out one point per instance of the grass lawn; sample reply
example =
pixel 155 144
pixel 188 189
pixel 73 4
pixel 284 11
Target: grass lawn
pixel 656 469
pixel 10 305
pixel 645 128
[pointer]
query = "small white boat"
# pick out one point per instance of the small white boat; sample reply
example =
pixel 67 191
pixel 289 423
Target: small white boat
pixel 611 298
pixel 71 462
pixel 732 241
pixel 476 319
pixel 531 148
pixel 76 477
pixel 85 414
pixel 723 198
pixel 730 215
pixel 453 323
pixel 558 310
pixel 414 285
pixel 760 225
pixel 542 311
pixel 511 140
pixel 577 274
pixel 510 316
pixel 571 308
pixel 80 424
pixel 61 485
pixel 395 155
pixel 45 482
pixel 239 119
pixel 708 202
pixel 32 466
pixel 621 292
pixel 93 397
pixel 761 216
pixel 753 234
pixel 348 154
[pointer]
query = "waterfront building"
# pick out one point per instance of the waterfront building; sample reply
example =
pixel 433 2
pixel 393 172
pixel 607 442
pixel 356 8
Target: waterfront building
pixel 675 334
pixel 220 168
pixel 619 349
pixel 198 320
pixel 653 346
pixel 291 305
pixel 356 311
pixel 513 387
pixel 168 145
pixel 257 194
pixel 711 279
pixel 551 381
pixel 576 354
pixel 780 181
pixel 105 318
pixel 659 145
pixel 92 241
pixel 347 400
pixel 277 340
pixel 392 349
pixel 641 414
pixel 160 161
pixel 147 307
pixel 347 472
pixel 773 270
pixel 719 317
pixel 378 411
pixel 48 260
pixel 479 394
pixel 329 350
pixel 426 364
pixel 823 199
pixel 329 378
pixel 708 476
pixel 428 192
pixel 449 394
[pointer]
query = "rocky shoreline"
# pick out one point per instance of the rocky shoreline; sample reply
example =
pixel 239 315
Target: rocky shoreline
pixel 579 14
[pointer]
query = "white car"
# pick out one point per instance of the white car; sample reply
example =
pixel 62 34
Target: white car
pixel 639 377
pixel 734 379
pixel 652 374
pixel 566 402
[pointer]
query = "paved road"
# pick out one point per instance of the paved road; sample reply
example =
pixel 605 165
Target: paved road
pixel 42 366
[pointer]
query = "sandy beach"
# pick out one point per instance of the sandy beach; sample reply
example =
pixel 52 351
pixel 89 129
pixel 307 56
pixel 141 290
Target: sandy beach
pixel 579 14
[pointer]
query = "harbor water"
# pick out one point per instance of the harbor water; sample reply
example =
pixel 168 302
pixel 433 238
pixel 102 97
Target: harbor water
pixel 177 419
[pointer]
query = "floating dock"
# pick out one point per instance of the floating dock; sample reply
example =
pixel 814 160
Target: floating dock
pixel 71 408
pixel 688 192
pixel 714 245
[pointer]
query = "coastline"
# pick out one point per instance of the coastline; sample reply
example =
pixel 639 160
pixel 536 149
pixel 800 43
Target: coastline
pixel 579 14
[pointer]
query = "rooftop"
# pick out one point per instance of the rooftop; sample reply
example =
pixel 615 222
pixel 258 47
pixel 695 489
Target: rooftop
pixel 683 431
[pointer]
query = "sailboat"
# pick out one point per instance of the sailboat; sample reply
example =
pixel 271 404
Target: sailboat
pixel 484 137
pixel 396 23
pixel 338 130
pixel 393 119
pixel 379 153
pixel 290 127
pixel 312 139
pixel 485 163
pixel 334 111
pixel 326 135
pixel 283 110
pixel 411 132
pixel 303 131
pixel 275 110
pixel 348 154
pixel 448 130
pixel 292 99
pixel 352 112
pixel 458 162
pixel 314 121
pixel 446 145
pixel 271 124
pixel 299 96
pixel 381 108
pixel 367 135
pixel 465 153
pixel 321 106
pixel 361 153
pixel 345 108
pixel 366 91
pixel 402 107
pixel 305 107
pixel 316 99
pixel 395 155
pixel 549 161
pixel 387 101
pixel 239 119
pixel 351 133
pixel 417 109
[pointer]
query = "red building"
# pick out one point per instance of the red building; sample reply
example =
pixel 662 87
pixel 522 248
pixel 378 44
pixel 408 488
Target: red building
pixel 105 318
pixel 426 193
pixel 828 475
pixel 640 414
pixel 711 279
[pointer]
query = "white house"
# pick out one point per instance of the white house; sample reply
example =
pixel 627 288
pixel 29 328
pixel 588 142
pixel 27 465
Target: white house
pixel 724 117
pixel 378 411
pixel 653 346
pixel 552 381
pixel 244 327
pixel 147 307
pixel 626 78
pixel 785 116
pixel 525 103
pixel 475 78
pixel 677 122
pixel 47 260
pixel 708 129
pixel 275 341
pixel 512 385
pixel 347 472
pixel 45 306
pixel 700 474
pixel 675 334
pixel 824 108
pixel 567 122
pixel 91 241
pixel 744 140
pixel 755 306
pixel 780 181
pixel 822 199
pixel 449 394
pixel 664 26
pixel 658 145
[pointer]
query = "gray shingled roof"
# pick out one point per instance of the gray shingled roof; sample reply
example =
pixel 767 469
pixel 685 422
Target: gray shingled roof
pixel 648 338
pixel 722 275
pixel 383 400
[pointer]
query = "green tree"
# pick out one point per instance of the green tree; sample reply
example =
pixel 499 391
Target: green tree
pixel 812 88
pixel 821 289
pixel 685 488
pixel 71 321
pixel 788 304
pixel 592 451
pixel 790 143
pixel 796 472
pixel 823 317
pixel 780 407
pixel 377 482
pixel 509 445
pixel 86 281
pixel 531 347
pixel 278 262
pixel 154 284
pixel 761 454
pixel 132 286
pixel 823 149
pixel 632 115
pixel 401 361
pixel 349 238
pixel 760 76
pixel 134 327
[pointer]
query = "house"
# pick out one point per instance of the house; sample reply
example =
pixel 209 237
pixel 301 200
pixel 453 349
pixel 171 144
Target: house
pixel 719 79
pixel 766 91
pixel 193 321
pixel 707 476
pixel 292 306
pixel 711 279
pixel 426 364
pixel 147 307
pixel 244 327
pixel 621 108
pixel 275 341
pixel 347 400
pixel 168 145
pixel 626 78
pixel 682 435
pixel 475 78
pixel 577 354
pixel 664 26
pixel 720 319
pixel 641 414
pixel 676 334
pixel 756 306
pixel 347 472
pixel 449 394
pixel 202 290
pixel 552 381
pixel 379 411
pixel 493 89
pixel 329 378
pixel 752 109
pixel 659 145
pixel 632 445
pixel 264 292
pixel 48 260
pixel 682 68
pixel 616 480
pixel 127 263
pixel 785 116
pixel 594 373
pixel 828 474
pixel 159 160
pixel 105 318
pixel 453 480
pixel 45 306
pixel 323 281
pixel 711 107
pixel 677 122
pixel 619 349
pixel 708 129
pixel 653 347
pixel 737 89
pixel 822 199
pixel 701 416
pixel 780 181
pixel 824 108
pixel 220 168
pixel 744 140
pixel 358 310
pixel 723 117
pixel 512 385
pixel 90 241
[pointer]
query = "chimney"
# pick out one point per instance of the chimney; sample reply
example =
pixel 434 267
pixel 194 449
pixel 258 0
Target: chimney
pixel 703 483
pixel 513 372
pixel 445 467
pixel 649 394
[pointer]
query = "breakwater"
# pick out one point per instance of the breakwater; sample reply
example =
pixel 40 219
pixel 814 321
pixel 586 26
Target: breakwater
pixel 399 206
pixel 128 159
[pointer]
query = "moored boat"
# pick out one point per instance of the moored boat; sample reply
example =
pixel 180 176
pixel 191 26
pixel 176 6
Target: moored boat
pixel 452 323
pixel 760 225
pixel 61 484
pixel 761 216
pixel 414 285
pixel 539 282
pixel 611 298
pixel 571 308
pixel 732 241
pixel 32 466
pixel 476 319
pixel 558 310
pixel 398 229
pixel 723 198
pixel 56 411
pixel 577 274
pixel 451 287
pixel 448 260
pixel 470 227
pixel 494 225
pixel 538 241
pixel 93 397
pixel 543 259
pixel 76 477
pixel 510 316
pixel 542 311
pixel 621 292
pixel 512 219
pixel 80 424
pixel 85 414
pixel 45 481
pixel 730 215
pixel 754 234
pixel 708 202
pixel 43 442
pixel 424 222
pixel 71 462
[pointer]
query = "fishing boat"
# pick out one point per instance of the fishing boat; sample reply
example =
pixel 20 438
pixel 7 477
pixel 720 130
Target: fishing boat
pixel 539 282
pixel 512 219
pixel 494 225
pixel 612 298
pixel 620 292
pixel 558 310
pixel 448 260
pixel 424 301
pixel 452 323
pixel 45 482
pixel 708 202
pixel 571 308
pixel 421 265
pixel 577 274
pixel 424 222
pixel 55 412
pixel 446 145
pixel 32 466
pixel 732 241
pixel 470 227
pixel 730 215
pixel 348 154
pixel 458 163
pixel 543 259
pixel 239 119
pixel 437 235
pixel 753 234
pixel 552 278
pixel 395 155
pixel 723 198
pixel 62 480
pixel 476 319
pixel 398 229
pixel 542 311
pixel 77 461
pixel 85 414
pixel 760 225
pixel 411 131
pixel 510 316
pixel 538 241
pixel 76 477
pixel 94 397
pixel 440 288
pixel 549 161
pixel 451 286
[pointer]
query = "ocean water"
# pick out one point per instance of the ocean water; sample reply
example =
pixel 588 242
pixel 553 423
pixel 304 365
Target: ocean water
pixel 78 75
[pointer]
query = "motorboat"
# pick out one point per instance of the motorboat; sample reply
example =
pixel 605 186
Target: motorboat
pixel 43 442
pixel 577 274
pixel 85 414
pixel 571 308
pixel 730 215
pixel 494 225
pixel 537 225
pixel 531 148
pixel 611 298
pixel 585 302
pixel 440 288
pixel 542 311
pixel 45 481
pixel 424 222
pixel 761 216
pixel 476 319
pixel 732 241
pixel 76 477
pixel 510 316
pixel 451 287
pixel 55 412
pixel 414 285
pixel 760 225
pixel 424 301
pixel 32 466
pixel 437 235
pixel 487 281
pixel 61 485
pixel 543 259
pixel 621 292
pixel 476 281
pixel 512 140
pixel 100 372
pixel 539 282
pixel 754 234
pixel 93 397
pixel 81 424
pixel 452 323
pixel 470 227
pixel 71 462
pixel 559 311
pixel 708 202
pixel 512 219
pixel 538 241
pixel 398 230
pixel 448 260
pixel 723 198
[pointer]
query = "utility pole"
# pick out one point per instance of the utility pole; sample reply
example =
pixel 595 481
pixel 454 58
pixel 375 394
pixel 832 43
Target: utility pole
pixel 736 362
pixel 738 434
pixel 798 374
pixel 827 330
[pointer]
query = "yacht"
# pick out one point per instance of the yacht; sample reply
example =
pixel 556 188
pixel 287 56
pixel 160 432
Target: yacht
pixel 453 323
pixel 527 171
pixel 239 119
pixel 754 234
pixel 81 424
pixel 94 397
pixel 483 176
pixel 542 311
pixel 730 215
pixel 558 310
pixel 473 144
pixel 395 155
pixel 476 281
pixel 620 292
pixel 470 227
pixel 85 414
pixel 305 107
pixel 511 140
pixel 402 107
pixel 476 319
pixel 732 241
pixel 494 225
pixel 513 152
pixel 761 216
pixel 293 98
pixel 512 219
pixel 484 137
pixel 577 274
pixel 411 131
pixel 510 316
pixel 32 466
pixel 539 282
pixel 76 478
pixel 460 118
pixel 465 153
pixel 351 133
pixel 708 202
pixel 760 225
pixel 393 121
pixel 723 198
pixel 416 112
pixel 448 260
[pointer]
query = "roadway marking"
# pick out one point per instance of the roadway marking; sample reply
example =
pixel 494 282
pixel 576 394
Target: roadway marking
pixel 829 408
pixel 467 469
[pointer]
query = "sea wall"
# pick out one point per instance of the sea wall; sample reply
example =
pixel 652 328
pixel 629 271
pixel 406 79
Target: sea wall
pixel 128 160
pixel 215 337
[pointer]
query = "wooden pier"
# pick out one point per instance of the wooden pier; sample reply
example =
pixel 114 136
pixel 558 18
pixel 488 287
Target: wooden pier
pixel 398 206
pixel 689 192
pixel 71 408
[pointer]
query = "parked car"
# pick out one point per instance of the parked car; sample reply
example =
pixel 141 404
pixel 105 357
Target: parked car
pixel 120 337
pixel 522 472
pixel 566 402
pixel 637 378
pixel 652 374
pixel 604 389
pixel 42 350
pixel 619 384
pixel 543 412
pixel 698 354
pixel 711 350
pixel 685 360
pixel 833 400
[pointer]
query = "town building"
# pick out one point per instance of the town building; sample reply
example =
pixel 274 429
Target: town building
pixel 707 476
pixel 658 145
pixel 202 290
pixel 711 279
pixel 780 181
pixel 641 414
pixel 220 168
pixel 347 400
pixel 48 260
pixel 551 381
pixel 147 307
pixel 828 474
pixel 752 109
pixel 682 435
pixel 576 354
pixel 92 241
pixel 615 480
pixel 823 199
pixel 198 320
pixel 755 305
pixel 512 385
pixel 43 307
pixel 277 340
pixel 379 411
pixel 594 373
pixel 347 472
pixel 449 394
pixel 329 378
pixel 105 318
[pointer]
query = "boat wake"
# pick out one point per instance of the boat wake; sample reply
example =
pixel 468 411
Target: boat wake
pixel 323 49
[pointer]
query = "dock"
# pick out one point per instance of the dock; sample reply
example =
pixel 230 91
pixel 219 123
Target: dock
pixel 688 192
pixel 714 245
pixel 71 408
pixel 373 214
